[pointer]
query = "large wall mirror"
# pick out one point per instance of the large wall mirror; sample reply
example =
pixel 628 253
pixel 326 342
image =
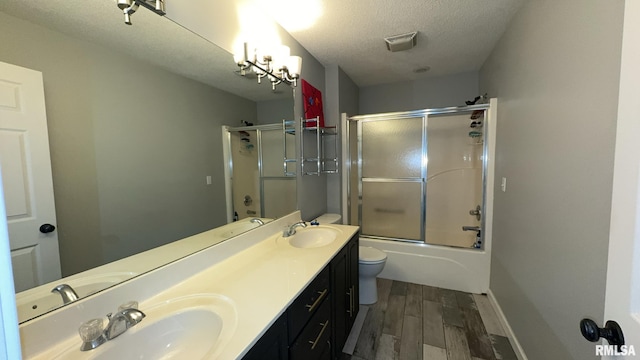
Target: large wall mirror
pixel 135 116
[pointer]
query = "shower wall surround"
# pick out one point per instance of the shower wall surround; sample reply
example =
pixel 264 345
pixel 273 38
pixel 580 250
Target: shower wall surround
pixel 454 178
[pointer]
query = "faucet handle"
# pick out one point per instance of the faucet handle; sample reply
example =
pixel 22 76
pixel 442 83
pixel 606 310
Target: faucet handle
pixel 128 305
pixel 92 334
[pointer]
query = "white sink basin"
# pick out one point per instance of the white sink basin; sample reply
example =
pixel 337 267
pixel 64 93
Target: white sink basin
pixel 192 327
pixel 313 237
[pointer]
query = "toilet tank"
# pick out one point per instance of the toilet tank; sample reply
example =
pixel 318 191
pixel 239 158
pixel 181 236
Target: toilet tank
pixel 329 219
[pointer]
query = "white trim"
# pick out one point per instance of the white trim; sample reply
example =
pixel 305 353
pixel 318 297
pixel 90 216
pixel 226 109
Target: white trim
pixel 9 335
pixel 622 300
pixel 490 175
pixel 226 156
pixel 515 344
pixel 344 146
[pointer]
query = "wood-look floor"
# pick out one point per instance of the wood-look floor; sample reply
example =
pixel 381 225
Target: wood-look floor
pixel 417 322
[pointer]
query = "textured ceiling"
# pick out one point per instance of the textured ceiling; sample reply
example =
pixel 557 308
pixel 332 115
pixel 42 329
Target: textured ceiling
pixel 453 36
pixel 151 37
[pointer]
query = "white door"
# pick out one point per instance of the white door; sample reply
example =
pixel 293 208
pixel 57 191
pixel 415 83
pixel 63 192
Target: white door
pixel 622 302
pixel 26 171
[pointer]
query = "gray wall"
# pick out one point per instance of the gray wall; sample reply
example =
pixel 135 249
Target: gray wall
pixel 343 97
pixel 429 93
pixel 312 190
pixel 555 73
pixel 274 111
pixel 129 169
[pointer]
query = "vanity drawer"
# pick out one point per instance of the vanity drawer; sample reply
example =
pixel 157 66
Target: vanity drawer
pixel 308 303
pixel 315 338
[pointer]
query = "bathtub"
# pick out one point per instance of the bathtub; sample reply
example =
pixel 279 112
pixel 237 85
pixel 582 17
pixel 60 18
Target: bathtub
pixel 447 267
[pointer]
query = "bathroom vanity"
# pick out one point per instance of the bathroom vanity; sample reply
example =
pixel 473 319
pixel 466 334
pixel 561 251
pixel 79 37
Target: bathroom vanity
pixel 258 295
pixel 317 324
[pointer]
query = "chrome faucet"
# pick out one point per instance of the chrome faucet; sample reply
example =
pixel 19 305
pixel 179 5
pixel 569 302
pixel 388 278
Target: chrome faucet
pixel 292 229
pixel 93 334
pixel 256 221
pixel 67 293
pixel 122 321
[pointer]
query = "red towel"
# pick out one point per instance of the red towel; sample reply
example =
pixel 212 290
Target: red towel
pixel 312 104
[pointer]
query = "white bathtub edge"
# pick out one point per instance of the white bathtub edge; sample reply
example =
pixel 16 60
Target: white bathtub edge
pixel 440 266
pixel 515 344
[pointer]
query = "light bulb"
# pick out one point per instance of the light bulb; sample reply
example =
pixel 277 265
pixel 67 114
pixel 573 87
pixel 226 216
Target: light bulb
pixel 281 57
pixel 239 58
pixel 295 66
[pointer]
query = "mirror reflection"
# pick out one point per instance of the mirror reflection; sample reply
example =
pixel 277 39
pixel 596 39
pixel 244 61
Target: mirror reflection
pixel 134 116
pixel 262 165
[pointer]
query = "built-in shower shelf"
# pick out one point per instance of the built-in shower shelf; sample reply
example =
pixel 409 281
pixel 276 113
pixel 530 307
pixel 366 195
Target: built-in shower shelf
pixel 319 148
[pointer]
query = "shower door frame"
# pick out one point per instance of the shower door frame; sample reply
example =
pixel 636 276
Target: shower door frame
pixel 228 161
pixel 424 114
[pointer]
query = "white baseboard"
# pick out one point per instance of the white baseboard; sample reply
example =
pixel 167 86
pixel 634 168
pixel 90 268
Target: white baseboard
pixel 350 344
pixel 517 348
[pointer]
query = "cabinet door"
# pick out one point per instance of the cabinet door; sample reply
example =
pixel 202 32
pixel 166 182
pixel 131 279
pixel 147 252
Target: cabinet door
pixel 354 278
pixel 315 338
pixel 273 345
pixel 340 281
pixel 308 303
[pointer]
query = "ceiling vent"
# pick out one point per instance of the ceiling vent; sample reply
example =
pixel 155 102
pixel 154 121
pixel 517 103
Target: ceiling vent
pixel 401 42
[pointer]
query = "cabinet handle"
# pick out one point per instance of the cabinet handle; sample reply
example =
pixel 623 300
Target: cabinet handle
pixel 350 293
pixel 324 327
pixel 322 293
pixel 352 302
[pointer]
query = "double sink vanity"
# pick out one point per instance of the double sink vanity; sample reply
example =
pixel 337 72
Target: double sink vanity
pixel 259 295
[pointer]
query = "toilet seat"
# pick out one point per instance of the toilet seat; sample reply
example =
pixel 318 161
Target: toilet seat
pixel 369 255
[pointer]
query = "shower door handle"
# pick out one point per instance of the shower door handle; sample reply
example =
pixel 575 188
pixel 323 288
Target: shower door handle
pixel 471 228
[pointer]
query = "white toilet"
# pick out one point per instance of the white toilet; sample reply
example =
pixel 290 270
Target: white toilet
pixel 371 263
pixel 329 219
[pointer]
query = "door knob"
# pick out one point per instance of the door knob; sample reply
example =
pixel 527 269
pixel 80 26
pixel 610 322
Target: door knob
pixel 611 331
pixel 47 228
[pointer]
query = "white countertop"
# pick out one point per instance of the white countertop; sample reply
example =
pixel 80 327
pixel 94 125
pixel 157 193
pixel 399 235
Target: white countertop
pixel 101 277
pixel 260 282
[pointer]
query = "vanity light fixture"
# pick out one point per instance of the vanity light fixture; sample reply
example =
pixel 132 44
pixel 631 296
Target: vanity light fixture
pixel 277 65
pixel 129 7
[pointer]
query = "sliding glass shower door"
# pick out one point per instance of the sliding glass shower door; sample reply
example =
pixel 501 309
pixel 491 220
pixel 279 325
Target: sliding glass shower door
pixel 418 176
pixel 454 180
pixel 392 177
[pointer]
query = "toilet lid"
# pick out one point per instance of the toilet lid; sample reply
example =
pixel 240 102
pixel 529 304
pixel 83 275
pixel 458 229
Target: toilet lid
pixel 369 254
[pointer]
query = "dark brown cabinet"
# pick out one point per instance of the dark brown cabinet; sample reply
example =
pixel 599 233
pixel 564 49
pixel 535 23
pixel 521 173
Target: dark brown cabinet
pixel 273 344
pixel 310 325
pixel 318 322
pixel 344 276
pixel 315 338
